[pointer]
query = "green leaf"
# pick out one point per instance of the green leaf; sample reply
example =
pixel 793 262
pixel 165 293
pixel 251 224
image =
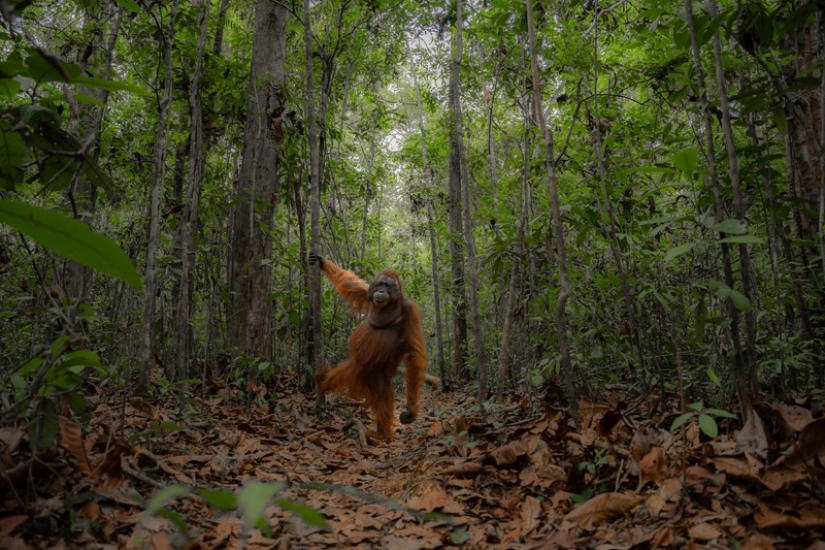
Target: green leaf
pixel 732 226
pixel 220 498
pixel 44 426
pixel 743 239
pixel 680 420
pixel 678 250
pixel 713 377
pixel 698 406
pixel 687 160
pixel 720 289
pixel 164 496
pixel 708 425
pixel 129 5
pixel 30 366
pixel 459 536
pixel 9 87
pixel 110 85
pixel 49 69
pixel 740 301
pixel 254 498
pixel 310 515
pixel 721 412
pixel 12 156
pixel 71 239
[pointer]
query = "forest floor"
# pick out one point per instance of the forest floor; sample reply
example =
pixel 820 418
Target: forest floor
pixel 520 477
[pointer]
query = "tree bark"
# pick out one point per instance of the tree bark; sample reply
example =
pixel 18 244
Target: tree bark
pixel 737 367
pixel 457 284
pixel 159 177
pixel 558 226
pixel 314 204
pixel 439 332
pixel 250 243
pixel 190 216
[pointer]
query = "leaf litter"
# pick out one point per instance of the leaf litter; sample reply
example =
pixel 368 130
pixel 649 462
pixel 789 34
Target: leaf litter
pixel 264 472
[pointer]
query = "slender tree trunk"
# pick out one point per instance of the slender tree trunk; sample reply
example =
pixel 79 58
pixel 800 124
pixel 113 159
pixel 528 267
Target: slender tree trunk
pixel 439 332
pixel 314 204
pixel 738 370
pixel 217 44
pixel 613 243
pixel 509 307
pixel 190 216
pixel 745 269
pixel 78 278
pixel 478 337
pixel 250 247
pixel 457 285
pixel 558 226
pixel 367 196
pixel 159 177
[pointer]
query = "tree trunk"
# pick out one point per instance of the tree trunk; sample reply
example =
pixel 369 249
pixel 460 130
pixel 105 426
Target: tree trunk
pixel 439 331
pixel 457 285
pixel 77 278
pixel 314 204
pixel 558 226
pixel 509 302
pixel 159 177
pixel 250 244
pixel 737 367
pixel 190 216
pixel 745 270
pixel 469 239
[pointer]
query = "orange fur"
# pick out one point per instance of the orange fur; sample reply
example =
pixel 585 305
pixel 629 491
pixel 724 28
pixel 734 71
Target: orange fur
pixel 390 334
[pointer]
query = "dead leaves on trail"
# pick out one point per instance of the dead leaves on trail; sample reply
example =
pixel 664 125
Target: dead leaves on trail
pixel 215 474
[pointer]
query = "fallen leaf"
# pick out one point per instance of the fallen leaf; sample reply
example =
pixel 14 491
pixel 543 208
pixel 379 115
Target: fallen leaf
pixel 530 513
pixel 429 501
pixel 9 523
pixel 653 466
pixel 795 417
pixel 807 518
pixel 601 508
pixel 508 454
pixel 704 532
pixel 71 439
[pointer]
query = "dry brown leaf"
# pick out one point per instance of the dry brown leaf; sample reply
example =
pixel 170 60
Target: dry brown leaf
pixel 13 543
pixel 9 523
pixel 752 435
pixel 71 439
pixel 810 442
pixel 757 541
pixel 507 455
pixel 429 501
pixel 704 532
pixel 530 514
pixel 466 467
pixel 602 508
pixel 436 429
pixel 780 476
pixel 806 518
pixel 706 483
pixel 653 466
pixel 795 417
pixel 186 459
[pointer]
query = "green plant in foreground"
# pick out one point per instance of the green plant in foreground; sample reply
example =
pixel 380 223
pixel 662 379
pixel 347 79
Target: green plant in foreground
pixel 705 417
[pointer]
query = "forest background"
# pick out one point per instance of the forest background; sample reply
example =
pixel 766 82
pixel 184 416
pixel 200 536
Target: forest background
pixel 582 196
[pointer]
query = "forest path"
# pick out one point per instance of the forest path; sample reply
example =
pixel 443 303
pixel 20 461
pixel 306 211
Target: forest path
pixel 521 479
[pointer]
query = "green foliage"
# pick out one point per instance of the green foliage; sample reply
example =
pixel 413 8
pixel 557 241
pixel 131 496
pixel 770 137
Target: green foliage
pixel 251 502
pixel 706 419
pixel 70 238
